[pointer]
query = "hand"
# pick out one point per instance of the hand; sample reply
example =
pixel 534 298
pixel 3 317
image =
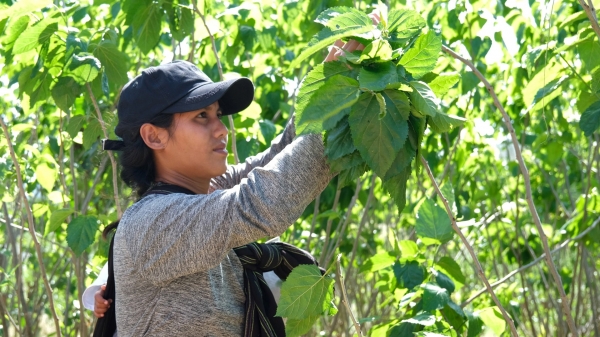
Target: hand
pixel 338 47
pixel 101 304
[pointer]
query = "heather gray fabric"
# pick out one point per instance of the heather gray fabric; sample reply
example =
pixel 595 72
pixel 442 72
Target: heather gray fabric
pixel 175 271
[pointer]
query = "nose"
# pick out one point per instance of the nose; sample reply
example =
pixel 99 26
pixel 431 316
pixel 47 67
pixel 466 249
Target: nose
pixel 220 130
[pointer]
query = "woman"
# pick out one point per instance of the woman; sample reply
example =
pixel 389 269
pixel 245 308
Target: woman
pixel 175 269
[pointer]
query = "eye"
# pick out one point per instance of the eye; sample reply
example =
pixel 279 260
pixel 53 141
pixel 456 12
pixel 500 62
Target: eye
pixel 202 114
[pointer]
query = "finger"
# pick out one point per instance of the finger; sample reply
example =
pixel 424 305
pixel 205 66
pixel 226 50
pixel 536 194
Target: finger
pixel 349 47
pixel 331 56
pixel 375 18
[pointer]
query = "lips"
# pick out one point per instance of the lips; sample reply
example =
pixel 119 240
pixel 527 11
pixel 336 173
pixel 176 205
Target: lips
pixel 222 149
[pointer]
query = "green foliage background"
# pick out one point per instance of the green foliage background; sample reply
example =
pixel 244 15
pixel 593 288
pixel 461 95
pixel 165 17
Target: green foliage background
pixel 405 274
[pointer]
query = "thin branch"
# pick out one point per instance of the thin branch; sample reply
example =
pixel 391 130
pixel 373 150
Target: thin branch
pixel 591 14
pixel 341 229
pixel 527 181
pixel 478 267
pixel 220 68
pixel 532 263
pixel 110 155
pixel 345 297
pixel 313 222
pixel 38 248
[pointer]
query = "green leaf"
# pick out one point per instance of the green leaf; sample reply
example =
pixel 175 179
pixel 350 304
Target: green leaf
pixel 84 68
pixel 91 133
pixel 448 193
pixel 409 275
pixel 64 92
pixel 343 25
pixel 397 103
pixel 445 282
pixel 541 96
pixel 404 24
pixel 338 93
pixel 588 53
pixel 346 162
pixel 57 218
pixel 424 319
pixel 305 293
pixel 408 248
pixel 451 268
pixel 377 51
pixel 332 12
pixel 434 297
pixel 378 262
pixel 492 318
pixel 377 76
pixel 549 73
pixel 424 99
pixel 314 80
pixel 402 330
pixel 376 138
pixel 339 140
pixel 75 124
pixel 147 26
pixel 35 35
pixel 46 176
pixel 455 316
pixel 396 187
pixel 444 123
pixel 475 325
pixel 268 130
pixel 81 232
pixel 299 327
pixel 22 7
pixel 590 119
pixel 441 84
pixel 113 61
pixel 14 30
pixel 433 224
pixel 348 176
pixel 422 57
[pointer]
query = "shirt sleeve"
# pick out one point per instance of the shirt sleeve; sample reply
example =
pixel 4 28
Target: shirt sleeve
pixel 235 173
pixel 170 236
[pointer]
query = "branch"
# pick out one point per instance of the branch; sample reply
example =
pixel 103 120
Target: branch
pixel 38 248
pixel 345 297
pixel 591 14
pixel 214 48
pixel 110 155
pixel 527 180
pixel 532 263
pixel 478 267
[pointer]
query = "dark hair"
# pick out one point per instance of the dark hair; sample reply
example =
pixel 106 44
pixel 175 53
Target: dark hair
pixel 137 163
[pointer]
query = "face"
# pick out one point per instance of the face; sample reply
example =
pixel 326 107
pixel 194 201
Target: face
pixel 195 148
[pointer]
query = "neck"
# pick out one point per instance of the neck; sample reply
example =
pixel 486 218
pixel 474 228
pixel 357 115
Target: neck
pixel 198 186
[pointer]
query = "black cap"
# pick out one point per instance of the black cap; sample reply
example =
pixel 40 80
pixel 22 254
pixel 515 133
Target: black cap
pixel 179 86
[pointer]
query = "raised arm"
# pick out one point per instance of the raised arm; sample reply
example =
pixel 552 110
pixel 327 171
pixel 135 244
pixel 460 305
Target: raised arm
pixel 235 173
pixel 170 236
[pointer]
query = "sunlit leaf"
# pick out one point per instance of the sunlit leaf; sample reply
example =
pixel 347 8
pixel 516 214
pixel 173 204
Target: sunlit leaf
pixel 305 293
pixel 433 224
pixel 422 57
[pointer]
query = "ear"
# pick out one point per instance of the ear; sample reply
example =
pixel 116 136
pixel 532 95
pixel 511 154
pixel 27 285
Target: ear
pixel 154 136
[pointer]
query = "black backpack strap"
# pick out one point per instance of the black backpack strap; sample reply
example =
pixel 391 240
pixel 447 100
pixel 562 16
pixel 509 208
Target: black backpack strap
pixel 107 325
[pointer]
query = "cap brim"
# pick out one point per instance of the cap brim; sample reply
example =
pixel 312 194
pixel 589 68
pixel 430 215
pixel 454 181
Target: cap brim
pixel 233 95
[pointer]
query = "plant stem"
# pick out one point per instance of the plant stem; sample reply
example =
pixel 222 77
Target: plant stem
pixel 38 248
pixel 527 181
pixel 533 263
pixel 478 267
pixel 220 68
pixel 110 155
pixel 591 14
pixel 345 297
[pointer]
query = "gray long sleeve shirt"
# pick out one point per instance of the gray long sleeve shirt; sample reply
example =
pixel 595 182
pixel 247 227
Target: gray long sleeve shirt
pixel 175 271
